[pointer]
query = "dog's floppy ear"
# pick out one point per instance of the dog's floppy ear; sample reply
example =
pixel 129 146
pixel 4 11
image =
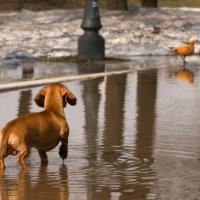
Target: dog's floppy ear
pixel 39 97
pixel 71 99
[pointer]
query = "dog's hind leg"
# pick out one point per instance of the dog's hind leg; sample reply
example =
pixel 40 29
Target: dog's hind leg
pixel 3 148
pixel 43 157
pixel 2 164
pixel 2 157
pixel 23 153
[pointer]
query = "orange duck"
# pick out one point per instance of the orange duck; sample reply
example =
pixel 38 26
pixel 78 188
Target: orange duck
pixel 185 50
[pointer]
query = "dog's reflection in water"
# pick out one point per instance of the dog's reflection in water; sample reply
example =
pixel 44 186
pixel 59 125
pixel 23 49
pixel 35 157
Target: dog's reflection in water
pixel 40 183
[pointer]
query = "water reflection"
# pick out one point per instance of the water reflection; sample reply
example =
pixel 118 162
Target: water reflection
pixel 25 96
pixel 146 101
pixel 39 183
pixel 25 101
pixel 91 103
pixel 27 70
pixel 87 68
pixel 114 112
pixel 130 139
pixel 116 169
pixel 184 74
pixel 91 99
pixel 112 147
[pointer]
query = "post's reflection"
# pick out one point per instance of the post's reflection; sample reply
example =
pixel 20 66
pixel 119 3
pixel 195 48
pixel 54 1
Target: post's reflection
pixel 114 112
pixel 146 99
pixel 113 130
pixel 110 157
pixel 25 101
pixel 91 98
pixel 88 68
pixel 25 97
pixel 114 88
pixel 27 70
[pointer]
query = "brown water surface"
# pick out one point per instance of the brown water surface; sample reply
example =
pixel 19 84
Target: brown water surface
pixel 133 136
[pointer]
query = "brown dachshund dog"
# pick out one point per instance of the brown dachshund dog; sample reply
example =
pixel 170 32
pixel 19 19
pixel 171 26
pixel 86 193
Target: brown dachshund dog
pixel 41 130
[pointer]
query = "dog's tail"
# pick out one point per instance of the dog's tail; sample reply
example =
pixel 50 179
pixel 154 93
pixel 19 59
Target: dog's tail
pixel 3 144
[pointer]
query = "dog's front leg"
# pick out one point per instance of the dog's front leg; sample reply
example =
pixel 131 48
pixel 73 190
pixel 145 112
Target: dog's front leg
pixel 63 150
pixel 43 157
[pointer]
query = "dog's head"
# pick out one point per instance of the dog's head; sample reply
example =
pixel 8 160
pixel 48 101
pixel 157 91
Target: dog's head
pixel 62 90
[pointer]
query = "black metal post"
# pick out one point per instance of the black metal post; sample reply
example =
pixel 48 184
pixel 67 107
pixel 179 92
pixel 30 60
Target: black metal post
pixel 91 45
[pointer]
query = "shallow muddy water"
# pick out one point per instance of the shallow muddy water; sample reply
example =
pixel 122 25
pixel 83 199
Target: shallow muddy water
pixel 133 136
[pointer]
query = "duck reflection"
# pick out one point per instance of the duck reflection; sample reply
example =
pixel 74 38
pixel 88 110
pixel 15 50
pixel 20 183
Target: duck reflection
pixel 44 185
pixel 184 74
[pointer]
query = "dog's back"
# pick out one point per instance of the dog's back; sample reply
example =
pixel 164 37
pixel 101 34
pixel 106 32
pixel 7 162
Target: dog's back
pixel 38 130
